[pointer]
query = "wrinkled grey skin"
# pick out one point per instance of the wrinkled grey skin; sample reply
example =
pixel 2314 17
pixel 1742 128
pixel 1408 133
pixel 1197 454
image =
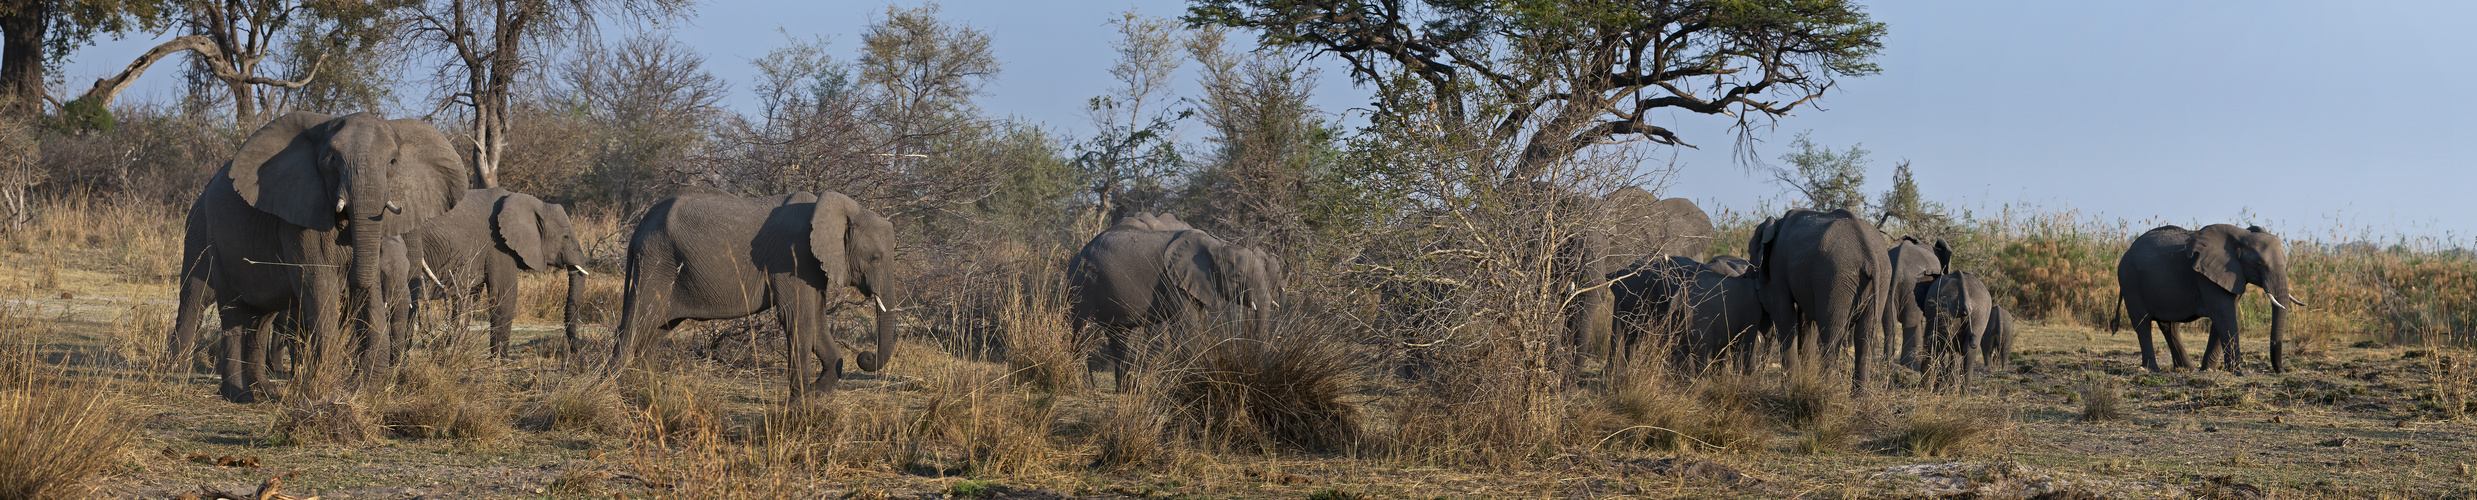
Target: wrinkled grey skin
pixel 1958 312
pixel 2171 275
pixel 1716 309
pixel 1824 278
pixel 705 254
pixel 1653 297
pixel 1648 227
pixel 295 221
pixel 1133 276
pixel 1728 313
pixel 1998 341
pixel 482 244
pixel 1916 262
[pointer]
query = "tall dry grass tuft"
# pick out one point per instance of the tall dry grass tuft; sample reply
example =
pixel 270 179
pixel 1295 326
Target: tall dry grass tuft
pixel 57 432
pixel 578 404
pixel 1130 431
pixel 1290 386
pixel 673 406
pixel 2101 400
pixel 1041 348
pixel 435 400
pixel 1946 426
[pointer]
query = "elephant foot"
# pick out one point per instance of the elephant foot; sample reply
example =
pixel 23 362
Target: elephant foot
pixel 237 394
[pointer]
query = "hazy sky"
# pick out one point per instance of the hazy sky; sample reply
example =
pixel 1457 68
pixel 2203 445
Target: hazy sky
pixel 2313 119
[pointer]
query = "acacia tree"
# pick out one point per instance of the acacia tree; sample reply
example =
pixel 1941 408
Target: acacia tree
pixel 486 41
pixel 1264 144
pixel 1556 76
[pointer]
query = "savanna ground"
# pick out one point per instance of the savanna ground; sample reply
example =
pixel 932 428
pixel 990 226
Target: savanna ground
pixel 88 300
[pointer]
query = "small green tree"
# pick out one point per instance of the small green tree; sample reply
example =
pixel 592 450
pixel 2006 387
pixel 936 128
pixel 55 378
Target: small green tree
pixel 1129 162
pixel 1829 179
pixel 1902 202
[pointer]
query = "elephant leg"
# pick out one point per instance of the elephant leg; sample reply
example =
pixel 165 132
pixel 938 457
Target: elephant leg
pixel 2213 346
pixel 2175 345
pixel 197 295
pixel 2234 354
pixel 504 289
pixel 232 362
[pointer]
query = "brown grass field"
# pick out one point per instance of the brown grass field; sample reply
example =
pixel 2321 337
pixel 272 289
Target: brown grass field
pixel 85 303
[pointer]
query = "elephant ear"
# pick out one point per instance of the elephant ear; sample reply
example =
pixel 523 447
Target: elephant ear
pixel 518 226
pixel 1943 255
pixel 1192 267
pixel 280 171
pixel 828 228
pixel 2214 255
pixel 428 179
pixel 1759 252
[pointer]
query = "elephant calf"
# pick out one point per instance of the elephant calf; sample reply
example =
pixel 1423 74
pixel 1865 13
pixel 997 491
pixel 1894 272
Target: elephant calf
pixel 1998 341
pixel 1147 271
pixel 1714 308
pixel 481 244
pixel 1958 310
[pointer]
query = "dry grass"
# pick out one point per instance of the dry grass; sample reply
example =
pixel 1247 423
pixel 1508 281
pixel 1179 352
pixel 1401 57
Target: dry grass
pixel 1293 386
pixel 434 401
pixel 58 431
pixel 1939 426
pixel 578 404
pixel 2101 400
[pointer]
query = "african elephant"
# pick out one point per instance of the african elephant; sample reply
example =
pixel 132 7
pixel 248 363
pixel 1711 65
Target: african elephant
pixel 491 235
pixel 1728 313
pixel 1653 296
pixel 1648 226
pixel 2172 275
pixel 1958 312
pixel 1134 276
pixel 1998 341
pixel 1916 262
pixel 295 221
pixel 1824 276
pixel 705 254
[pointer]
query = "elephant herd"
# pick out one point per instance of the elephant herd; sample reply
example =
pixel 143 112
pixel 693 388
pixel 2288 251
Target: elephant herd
pixel 322 219
pixel 334 229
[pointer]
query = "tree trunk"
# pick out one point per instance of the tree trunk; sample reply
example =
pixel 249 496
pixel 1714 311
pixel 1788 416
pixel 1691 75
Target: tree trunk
pixel 21 54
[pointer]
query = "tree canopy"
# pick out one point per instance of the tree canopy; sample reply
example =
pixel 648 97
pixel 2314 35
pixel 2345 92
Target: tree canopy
pixel 1546 78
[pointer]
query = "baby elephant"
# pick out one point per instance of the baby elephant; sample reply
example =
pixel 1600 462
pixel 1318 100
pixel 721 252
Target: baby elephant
pixel 1998 339
pixel 1958 312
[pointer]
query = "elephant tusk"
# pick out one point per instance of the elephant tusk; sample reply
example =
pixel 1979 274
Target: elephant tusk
pixel 393 209
pixel 881 303
pixel 339 205
pixel 581 270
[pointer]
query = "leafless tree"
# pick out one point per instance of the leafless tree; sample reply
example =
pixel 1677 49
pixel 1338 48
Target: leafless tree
pixel 487 42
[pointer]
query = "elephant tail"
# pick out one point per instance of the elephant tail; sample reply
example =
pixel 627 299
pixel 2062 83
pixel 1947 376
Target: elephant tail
pixel 2115 316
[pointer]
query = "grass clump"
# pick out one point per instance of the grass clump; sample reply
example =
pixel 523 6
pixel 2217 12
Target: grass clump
pixel 580 406
pixel 431 402
pixel 2101 401
pixel 55 434
pixel 1706 414
pixel 1289 387
pixel 1945 428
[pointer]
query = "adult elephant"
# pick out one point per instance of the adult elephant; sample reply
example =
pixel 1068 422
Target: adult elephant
pixel 1825 276
pixel 1916 262
pixel 1648 226
pixel 1959 311
pixel 2172 275
pixel 295 221
pixel 482 244
pixel 1137 276
pixel 705 254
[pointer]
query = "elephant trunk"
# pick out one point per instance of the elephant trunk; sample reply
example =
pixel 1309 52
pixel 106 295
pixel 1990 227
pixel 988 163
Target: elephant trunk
pixel 873 361
pixel 364 281
pixel 576 286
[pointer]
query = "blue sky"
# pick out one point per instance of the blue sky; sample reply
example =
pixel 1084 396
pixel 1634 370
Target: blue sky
pixel 2315 119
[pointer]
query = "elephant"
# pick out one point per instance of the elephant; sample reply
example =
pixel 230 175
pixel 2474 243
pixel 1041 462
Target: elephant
pixel 294 223
pixel 1135 276
pixel 706 254
pixel 1824 278
pixel 491 235
pixel 1715 308
pixel 1648 227
pixel 1916 262
pixel 1998 341
pixel 2171 275
pixel 1959 311
pixel 1653 296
